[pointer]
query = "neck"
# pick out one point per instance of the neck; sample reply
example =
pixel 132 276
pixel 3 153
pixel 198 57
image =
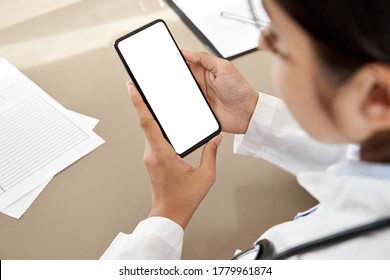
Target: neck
pixel 376 148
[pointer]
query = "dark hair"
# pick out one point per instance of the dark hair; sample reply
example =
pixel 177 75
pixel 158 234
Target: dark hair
pixel 346 34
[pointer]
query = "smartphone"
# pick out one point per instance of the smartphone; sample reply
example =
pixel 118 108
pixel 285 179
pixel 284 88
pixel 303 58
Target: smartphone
pixel 163 78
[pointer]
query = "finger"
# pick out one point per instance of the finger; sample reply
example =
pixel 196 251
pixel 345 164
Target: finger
pixel 208 64
pixel 148 124
pixel 206 60
pixel 195 57
pixel 209 155
pixel 188 55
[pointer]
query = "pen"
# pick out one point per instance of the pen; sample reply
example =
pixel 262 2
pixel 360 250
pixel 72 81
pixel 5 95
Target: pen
pixel 243 19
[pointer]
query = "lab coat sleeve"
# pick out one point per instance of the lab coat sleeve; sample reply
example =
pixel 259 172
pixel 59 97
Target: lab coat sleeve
pixel 155 238
pixel 275 136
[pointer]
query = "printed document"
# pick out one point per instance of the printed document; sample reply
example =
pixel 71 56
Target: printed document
pixel 19 207
pixel 38 137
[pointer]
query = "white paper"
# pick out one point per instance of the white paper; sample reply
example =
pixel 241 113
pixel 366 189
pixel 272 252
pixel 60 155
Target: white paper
pixel 229 37
pixel 38 136
pixel 19 207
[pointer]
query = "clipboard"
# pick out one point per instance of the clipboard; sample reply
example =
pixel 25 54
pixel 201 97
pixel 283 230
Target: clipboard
pixel 199 15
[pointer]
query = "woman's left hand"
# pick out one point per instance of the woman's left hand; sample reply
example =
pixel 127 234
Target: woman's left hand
pixel 177 187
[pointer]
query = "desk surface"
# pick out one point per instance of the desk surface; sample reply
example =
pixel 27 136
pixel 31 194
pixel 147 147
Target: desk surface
pixel 66 48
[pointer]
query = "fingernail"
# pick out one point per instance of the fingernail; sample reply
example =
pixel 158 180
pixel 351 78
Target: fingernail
pixel 218 140
pixel 131 90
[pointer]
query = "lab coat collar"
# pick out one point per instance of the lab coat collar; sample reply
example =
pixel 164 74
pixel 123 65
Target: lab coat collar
pixel 356 186
pixel 361 169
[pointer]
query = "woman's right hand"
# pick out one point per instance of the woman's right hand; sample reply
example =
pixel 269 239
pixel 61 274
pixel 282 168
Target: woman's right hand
pixel 229 94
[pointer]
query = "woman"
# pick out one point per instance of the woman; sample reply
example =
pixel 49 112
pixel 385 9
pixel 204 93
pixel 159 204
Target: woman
pixel 332 70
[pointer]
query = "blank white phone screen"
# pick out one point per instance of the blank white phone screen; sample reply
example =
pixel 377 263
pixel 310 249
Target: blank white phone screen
pixel 168 86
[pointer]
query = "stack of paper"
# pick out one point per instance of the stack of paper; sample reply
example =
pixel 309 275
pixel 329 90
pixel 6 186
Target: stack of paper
pixel 38 139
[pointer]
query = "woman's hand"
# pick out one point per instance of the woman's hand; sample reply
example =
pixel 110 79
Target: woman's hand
pixel 229 94
pixel 177 187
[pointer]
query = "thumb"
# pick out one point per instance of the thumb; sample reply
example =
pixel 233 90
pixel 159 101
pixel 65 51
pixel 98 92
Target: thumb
pixel 209 155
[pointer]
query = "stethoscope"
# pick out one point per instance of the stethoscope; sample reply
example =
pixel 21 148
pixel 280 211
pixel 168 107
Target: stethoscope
pixel 264 250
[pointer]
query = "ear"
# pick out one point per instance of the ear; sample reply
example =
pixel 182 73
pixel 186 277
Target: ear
pixel 362 105
pixel 375 94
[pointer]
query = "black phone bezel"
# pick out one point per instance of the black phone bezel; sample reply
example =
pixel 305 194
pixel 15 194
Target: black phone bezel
pixel 133 78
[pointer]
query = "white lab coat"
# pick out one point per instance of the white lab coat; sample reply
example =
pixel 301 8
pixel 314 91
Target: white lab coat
pixel 350 193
